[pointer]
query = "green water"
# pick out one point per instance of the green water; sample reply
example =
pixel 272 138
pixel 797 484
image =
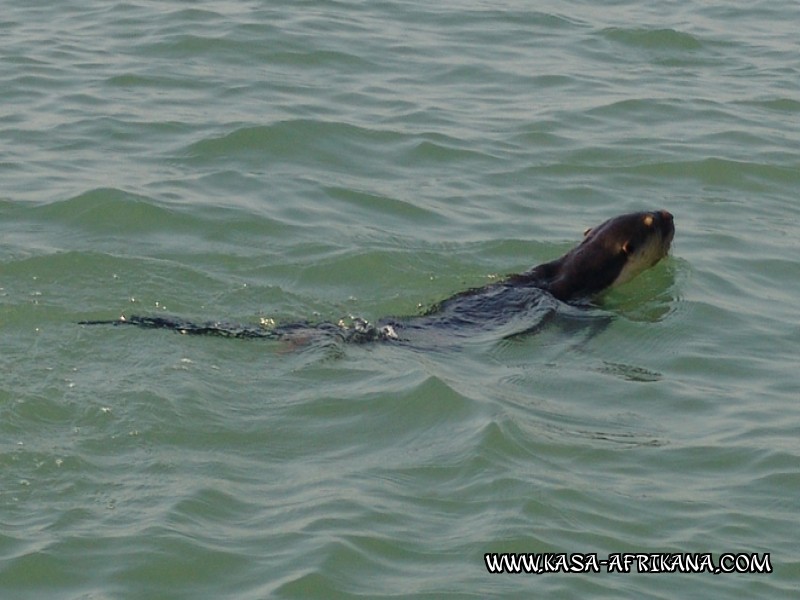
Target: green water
pixel 315 160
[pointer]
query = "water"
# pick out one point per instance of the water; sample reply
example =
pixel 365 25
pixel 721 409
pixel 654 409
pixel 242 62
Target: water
pixel 292 160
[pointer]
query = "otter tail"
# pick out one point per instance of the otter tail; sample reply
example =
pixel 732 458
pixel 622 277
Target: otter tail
pixel 188 327
pixel 357 331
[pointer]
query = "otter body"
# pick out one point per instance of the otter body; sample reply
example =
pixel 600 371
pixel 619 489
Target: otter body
pixel 609 255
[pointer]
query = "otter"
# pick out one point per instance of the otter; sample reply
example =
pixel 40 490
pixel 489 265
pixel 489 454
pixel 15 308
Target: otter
pixel 609 255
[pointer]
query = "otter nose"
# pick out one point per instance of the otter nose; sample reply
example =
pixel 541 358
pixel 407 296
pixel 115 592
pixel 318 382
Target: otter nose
pixel 666 222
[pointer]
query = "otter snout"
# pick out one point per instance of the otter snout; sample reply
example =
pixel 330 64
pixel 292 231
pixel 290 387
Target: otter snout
pixel 666 223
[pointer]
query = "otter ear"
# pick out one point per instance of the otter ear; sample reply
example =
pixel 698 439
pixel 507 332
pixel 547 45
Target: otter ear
pixel 587 232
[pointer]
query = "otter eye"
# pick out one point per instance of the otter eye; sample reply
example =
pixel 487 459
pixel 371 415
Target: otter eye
pixel 628 248
pixel 648 221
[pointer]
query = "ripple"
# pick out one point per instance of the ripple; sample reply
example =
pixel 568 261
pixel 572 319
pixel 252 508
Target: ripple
pixel 631 372
pixel 292 140
pixel 654 39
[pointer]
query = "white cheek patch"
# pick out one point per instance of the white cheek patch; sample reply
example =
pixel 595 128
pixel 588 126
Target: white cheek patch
pixel 641 260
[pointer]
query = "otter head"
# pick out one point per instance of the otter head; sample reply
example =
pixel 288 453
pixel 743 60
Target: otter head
pixel 612 254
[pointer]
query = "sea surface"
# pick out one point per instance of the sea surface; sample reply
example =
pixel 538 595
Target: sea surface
pixel 280 161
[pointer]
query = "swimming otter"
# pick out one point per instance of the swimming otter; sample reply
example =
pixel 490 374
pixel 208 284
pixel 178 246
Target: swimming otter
pixel 609 255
